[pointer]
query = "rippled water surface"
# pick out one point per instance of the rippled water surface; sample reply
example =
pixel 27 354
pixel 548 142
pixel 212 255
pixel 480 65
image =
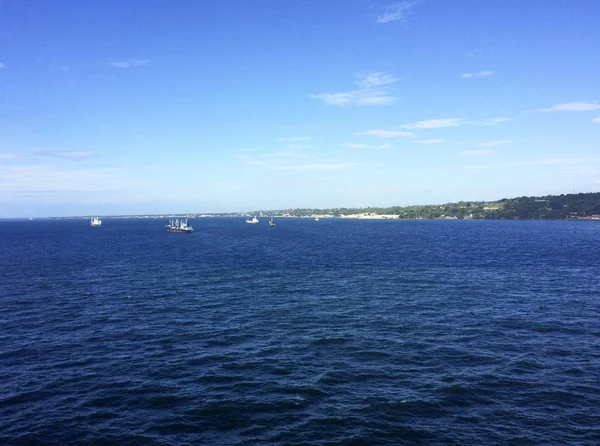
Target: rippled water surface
pixel 312 333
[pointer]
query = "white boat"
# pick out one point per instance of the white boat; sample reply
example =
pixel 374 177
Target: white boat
pixel 317 219
pixel 179 226
pixel 95 222
pixel 272 223
pixel 252 221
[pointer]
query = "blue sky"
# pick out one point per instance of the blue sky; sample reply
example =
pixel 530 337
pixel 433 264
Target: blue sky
pixel 148 106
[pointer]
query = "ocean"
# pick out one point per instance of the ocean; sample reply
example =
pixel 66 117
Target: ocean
pixel 349 332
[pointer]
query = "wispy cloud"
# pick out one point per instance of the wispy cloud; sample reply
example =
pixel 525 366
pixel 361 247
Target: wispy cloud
pixel 475 152
pixel 301 146
pixel 295 138
pixel 374 89
pixel 429 141
pixel 349 145
pixel 596 120
pixel 491 121
pixel 9 156
pixel 478 74
pixel 493 143
pixel 130 63
pixel 452 122
pixel 41 179
pixel 573 107
pixel 541 162
pixel 435 123
pixel 379 133
pixel 397 11
pixel 375 79
pixel 76 156
pixel 65 155
pixel 300 162
pixel 2 66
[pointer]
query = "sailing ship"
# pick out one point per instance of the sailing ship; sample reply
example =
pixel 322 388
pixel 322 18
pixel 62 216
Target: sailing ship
pixel 252 221
pixel 272 223
pixel 179 226
pixel 95 222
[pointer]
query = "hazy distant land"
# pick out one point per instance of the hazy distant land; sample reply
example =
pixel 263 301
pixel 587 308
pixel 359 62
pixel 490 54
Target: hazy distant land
pixel 583 206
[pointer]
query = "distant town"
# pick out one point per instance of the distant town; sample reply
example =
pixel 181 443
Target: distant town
pixel 583 206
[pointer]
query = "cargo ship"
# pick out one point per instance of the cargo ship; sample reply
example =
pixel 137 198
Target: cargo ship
pixel 179 226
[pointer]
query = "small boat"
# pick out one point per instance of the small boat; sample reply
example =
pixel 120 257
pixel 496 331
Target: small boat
pixel 252 221
pixel 95 222
pixel 272 223
pixel 179 226
pixel 317 219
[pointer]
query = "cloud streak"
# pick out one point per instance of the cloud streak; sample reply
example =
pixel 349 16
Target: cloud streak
pixel 397 11
pixel 44 179
pixel 452 122
pixel 541 162
pixel 475 152
pixel 349 145
pixel 293 161
pixel 130 63
pixel 435 123
pixel 596 120
pixel 2 66
pixel 573 107
pixel 429 141
pixel 493 143
pixel 379 133
pixel 479 74
pixel 374 89
pixel 65 155
pixel 295 138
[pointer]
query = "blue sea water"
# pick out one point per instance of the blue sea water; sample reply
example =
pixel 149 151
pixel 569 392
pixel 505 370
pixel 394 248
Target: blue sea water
pixel 310 333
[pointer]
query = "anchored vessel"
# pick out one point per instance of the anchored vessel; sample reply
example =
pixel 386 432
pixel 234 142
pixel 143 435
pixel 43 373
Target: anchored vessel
pixel 95 222
pixel 179 226
pixel 252 221
pixel 272 223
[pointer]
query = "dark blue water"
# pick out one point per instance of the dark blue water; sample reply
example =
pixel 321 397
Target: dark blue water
pixel 336 332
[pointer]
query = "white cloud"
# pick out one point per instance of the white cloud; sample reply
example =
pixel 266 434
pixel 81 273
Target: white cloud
pixel 493 143
pixel 541 162
pixel 130 63
pixel 349 145
pixel 375 79
pixel 297 162
pixel 451 122
pixel 373 90
pixel 397 11
pixel 40 179
pixel 295 138
pixel 479 74
pixel 491 121
pixel 68 155
pixel 366 146
pixel 301 146
pixel 476 152
pixel 356 97
pixel 435 123
pixel 387 133
pixel 573 107
pixel 596 120
pixel 429 141
pixel 9 156
pixel 2 66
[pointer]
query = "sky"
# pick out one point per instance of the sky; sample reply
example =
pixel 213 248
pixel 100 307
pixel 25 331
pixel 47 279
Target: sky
pixel 155 106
